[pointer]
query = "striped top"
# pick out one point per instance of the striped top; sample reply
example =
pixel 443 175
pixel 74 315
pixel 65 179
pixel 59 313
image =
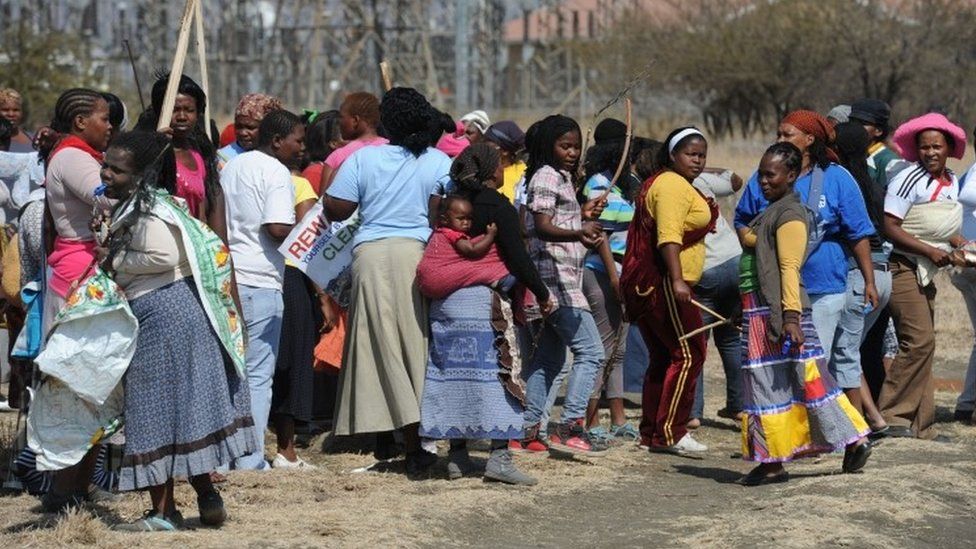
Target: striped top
pixel 915 185
pixel 615 219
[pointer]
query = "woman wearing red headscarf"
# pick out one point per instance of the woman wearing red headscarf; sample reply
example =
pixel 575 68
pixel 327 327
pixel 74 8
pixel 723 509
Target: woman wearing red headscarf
pixel 838 240
pixel 923 218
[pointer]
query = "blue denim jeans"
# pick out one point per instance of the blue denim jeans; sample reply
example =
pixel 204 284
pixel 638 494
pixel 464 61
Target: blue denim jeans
pixel 965 281
pixel 263 308
pixel 566 327
pixel 718 290
pixel 826 311
pixel 845 358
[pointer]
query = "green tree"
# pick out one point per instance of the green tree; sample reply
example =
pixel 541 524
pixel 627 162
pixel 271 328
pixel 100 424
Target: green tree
pixel 40 67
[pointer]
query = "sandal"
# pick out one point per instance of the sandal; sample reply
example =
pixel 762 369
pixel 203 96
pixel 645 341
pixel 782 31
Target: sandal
pixel 626 431
pixel 153 522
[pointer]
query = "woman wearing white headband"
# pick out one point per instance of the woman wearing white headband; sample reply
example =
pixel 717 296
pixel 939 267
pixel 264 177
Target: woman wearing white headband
pixel 665 257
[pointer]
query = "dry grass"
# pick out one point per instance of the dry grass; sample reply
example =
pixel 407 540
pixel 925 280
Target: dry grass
pixel 631 498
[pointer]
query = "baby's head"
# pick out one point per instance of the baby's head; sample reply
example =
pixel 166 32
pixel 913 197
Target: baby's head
pixel 455 213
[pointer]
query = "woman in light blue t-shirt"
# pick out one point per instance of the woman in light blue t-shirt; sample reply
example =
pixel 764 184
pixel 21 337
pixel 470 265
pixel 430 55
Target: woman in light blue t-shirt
pixel 393 187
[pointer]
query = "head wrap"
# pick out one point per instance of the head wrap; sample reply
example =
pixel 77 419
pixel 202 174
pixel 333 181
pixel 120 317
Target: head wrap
pixel 609 129
pixel 873 111
pixel 840 113
pixel 507 135
pixel 812 123
pixel 257 106
pixel 905 137
pixel 479 119
pixel 687 132
pixel 475 165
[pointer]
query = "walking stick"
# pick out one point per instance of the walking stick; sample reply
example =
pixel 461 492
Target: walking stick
pixel 169 100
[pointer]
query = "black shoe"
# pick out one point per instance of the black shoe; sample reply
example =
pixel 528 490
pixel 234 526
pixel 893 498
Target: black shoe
pixel 52 502
pixel 386 447
pixel 211 506
pixel 963 416
pixel 899 432
pixel 420 462
pixel 878 434
pixel 855 458
pixel 758 477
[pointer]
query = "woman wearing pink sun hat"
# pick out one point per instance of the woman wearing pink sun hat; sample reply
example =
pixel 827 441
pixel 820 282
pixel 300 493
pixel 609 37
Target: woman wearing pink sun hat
pixel 923 218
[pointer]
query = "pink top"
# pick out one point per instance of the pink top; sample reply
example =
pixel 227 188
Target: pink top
pixel 340 155
pixel 442 271
pixel 452 144
pixel 190 183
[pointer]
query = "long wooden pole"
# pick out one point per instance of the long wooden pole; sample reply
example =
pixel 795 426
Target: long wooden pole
pixel 202 54
pixel 387 76
pixel 169 100
pixel 625 157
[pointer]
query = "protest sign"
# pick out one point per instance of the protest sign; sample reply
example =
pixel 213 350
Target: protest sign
pixel 321 249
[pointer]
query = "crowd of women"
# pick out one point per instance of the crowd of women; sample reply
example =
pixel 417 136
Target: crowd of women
pixel 483 258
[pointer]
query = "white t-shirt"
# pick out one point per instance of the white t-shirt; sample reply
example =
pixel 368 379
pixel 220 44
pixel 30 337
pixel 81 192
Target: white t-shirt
pixel 914 185
pixel 257 190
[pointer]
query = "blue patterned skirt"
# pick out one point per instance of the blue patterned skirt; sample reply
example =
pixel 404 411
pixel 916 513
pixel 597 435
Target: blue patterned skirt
pixel 465 392
pixel 187 411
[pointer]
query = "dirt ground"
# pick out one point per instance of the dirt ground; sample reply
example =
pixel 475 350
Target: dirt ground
pixel 911 494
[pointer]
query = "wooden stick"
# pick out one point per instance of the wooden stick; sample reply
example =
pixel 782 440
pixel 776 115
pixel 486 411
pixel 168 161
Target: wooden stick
pixel 202 55
pixel 135 73
pixel 169 100
pixel 713 313
pixel 705 328
pixel 387 75
pixel 625 157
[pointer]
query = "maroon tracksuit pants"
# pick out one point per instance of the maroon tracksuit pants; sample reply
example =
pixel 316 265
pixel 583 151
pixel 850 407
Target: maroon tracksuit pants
pixel 669 384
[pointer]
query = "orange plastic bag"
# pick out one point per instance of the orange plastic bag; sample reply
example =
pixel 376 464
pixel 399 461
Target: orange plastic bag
pixel 328 351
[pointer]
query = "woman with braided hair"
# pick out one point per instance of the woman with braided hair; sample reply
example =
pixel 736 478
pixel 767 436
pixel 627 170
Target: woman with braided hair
pixel 394 187
pixel 476 393
pixel 72 163
pixel 187 406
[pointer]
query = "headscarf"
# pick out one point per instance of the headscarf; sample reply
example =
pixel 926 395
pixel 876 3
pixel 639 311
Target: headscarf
pixel 815 124
pixel 475 165
pixel 479 119
pixel 257 106
pixel 507 135
pixel 812 123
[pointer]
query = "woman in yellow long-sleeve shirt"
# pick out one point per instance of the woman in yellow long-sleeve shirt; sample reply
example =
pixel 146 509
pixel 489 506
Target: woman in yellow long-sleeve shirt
pixel 664 259
pixel 793 406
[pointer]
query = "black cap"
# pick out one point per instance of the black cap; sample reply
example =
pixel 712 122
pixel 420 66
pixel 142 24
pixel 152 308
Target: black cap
pixel 871 111
pixel 609 129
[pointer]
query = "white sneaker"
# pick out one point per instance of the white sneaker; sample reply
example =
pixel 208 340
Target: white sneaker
pixel 281 462
pixel 5 407
pixel 687 446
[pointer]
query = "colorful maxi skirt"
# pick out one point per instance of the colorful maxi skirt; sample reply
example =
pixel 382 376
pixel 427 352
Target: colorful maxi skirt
pixel 793 407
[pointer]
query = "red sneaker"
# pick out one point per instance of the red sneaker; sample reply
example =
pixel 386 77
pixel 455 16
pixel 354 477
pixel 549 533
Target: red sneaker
pixel 570 438
pixel 533 446
pixel 531 443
